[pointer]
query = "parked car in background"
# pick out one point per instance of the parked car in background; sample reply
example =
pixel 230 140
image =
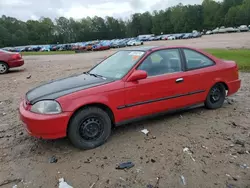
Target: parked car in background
pixel 165 37
pixel 75 46
pixel 196 35
pixel 222 29
pixel 120 44
pixel 187 36
pixel 179 36
pixel 231 30
pixel 89 45
pixel 65 47
pixel 151 38
pixel 209 32
pixel 243 28
pixel 101 46
pixel 171 37
pixel 45 48
pixel 216 30
pixel 56 47
pixel 159 37
pixel 135 43
pixel 145 37
pixel 125 86
pixel 9 60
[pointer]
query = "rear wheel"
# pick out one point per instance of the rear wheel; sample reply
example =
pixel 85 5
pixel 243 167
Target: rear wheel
pixel 4 68
pixel 89 128
pixel 216 96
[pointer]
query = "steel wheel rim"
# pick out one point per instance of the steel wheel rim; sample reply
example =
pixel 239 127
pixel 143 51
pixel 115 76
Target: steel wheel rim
pixel 91 128
pixel 3 68
pixel 215 94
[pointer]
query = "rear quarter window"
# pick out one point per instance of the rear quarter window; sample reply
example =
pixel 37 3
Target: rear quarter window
pixel 196 60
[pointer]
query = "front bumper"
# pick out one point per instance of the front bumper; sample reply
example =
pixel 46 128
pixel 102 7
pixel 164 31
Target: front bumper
pixel 44 126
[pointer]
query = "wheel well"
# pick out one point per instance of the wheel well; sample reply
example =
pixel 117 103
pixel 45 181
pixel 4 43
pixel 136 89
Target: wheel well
pixel 224 84
pixel 101 106
pixel 4 63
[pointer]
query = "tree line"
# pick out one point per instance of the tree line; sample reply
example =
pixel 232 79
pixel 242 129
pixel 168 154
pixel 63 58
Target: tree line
pixel 177 19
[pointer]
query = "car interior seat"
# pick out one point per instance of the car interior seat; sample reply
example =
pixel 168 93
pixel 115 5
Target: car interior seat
pixel 175 64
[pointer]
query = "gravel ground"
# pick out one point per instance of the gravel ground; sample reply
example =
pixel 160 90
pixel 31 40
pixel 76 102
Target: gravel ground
pixel 219 140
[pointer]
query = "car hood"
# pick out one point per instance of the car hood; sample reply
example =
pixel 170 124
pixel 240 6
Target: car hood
pixel 65 86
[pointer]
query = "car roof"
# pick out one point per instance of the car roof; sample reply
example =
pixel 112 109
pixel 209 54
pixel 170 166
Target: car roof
pixel 154 48
pixel 144 48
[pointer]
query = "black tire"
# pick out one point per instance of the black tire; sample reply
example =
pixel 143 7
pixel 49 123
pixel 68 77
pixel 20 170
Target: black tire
pixel 4 68
pixel 216 96
pixel 87 120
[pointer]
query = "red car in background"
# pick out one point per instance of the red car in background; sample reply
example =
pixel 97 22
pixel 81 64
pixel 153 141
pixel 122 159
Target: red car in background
pixel 9 60
pixel 127 86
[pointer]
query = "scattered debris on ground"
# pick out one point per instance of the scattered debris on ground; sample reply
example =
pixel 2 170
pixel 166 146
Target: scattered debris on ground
pixel 63 184
pixel 240 142
pixel 244 166
pixel 125 165
pixel 183 180
pixel 53 159
pixel 145 131
pixel 187 151
pixel 6 182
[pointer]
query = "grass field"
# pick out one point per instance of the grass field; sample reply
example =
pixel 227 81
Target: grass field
pixel 241 56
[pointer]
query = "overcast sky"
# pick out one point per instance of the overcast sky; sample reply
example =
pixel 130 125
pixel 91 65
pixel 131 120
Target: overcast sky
pixel 34 9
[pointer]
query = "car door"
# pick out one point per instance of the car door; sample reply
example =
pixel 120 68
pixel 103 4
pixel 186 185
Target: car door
pixel 200 71
pixel 161 90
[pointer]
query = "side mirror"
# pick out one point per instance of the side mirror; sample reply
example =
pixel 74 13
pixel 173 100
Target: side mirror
pixel 137 75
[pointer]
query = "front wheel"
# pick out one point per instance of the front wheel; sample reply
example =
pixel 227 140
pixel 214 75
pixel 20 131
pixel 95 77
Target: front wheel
pixel 4 68
pixel 89 128
pixel 216 96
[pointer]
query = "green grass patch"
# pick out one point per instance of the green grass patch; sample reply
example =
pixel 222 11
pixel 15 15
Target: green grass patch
pixel 240 56
pixel 47 53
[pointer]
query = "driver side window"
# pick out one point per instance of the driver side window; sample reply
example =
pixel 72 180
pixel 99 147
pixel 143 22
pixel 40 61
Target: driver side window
pixel 162 62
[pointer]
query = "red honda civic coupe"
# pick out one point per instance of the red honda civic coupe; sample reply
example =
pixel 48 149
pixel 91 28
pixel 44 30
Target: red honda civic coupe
pixel 126 86
pixel 9 60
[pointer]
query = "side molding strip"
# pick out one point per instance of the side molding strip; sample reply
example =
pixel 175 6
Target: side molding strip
pixel 160 99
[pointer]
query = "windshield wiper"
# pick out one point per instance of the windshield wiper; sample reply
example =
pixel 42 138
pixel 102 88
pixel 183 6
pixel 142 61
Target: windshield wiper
pixel 95 75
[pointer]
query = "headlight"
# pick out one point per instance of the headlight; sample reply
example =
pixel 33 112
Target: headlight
pixel 46 107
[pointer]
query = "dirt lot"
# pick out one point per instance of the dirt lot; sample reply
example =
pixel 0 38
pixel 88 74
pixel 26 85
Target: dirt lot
pixel 219 139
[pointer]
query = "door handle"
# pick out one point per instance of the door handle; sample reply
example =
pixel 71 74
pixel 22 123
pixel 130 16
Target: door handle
pixel 179 80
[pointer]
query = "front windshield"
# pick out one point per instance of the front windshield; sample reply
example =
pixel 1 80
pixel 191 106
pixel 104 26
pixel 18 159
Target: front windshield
pixel 117 65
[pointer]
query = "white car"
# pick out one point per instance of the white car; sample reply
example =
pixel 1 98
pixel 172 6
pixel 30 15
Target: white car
pixel 172 37
pixel 216 30
pixel 243 28
pixel 222 30
pixel 209 32
pixel 134 43
pixel 231 30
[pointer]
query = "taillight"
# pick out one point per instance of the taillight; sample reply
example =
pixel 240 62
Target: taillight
pixel 16 56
